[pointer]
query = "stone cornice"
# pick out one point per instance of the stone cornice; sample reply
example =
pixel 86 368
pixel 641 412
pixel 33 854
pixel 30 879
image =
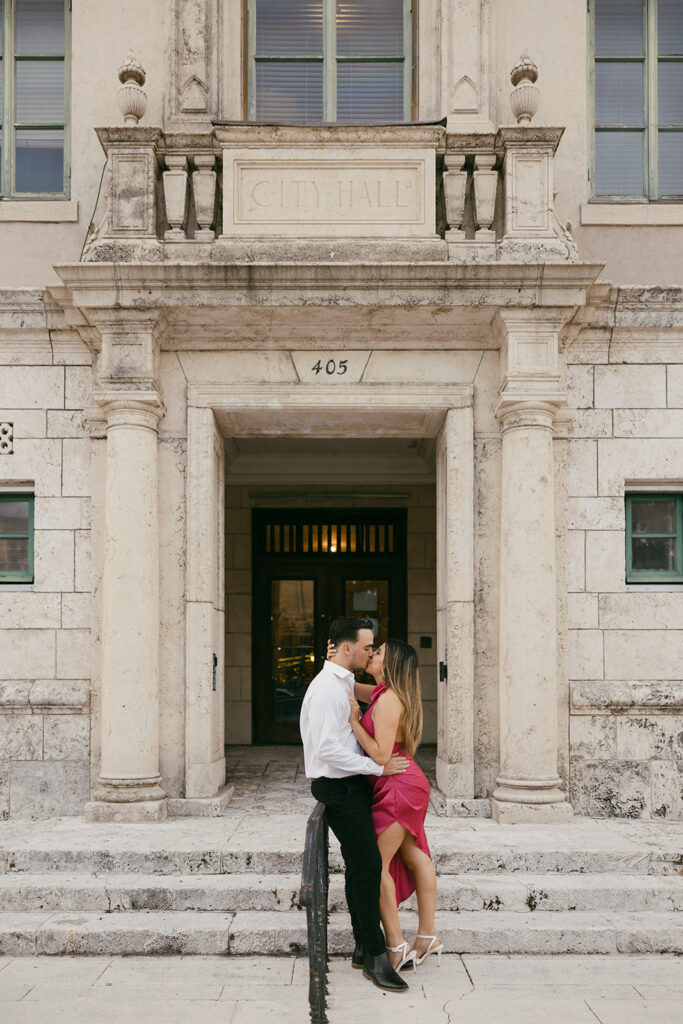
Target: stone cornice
pixel 152 285
pixel 243 133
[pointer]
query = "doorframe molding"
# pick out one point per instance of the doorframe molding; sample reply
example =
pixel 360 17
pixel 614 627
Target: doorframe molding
pixel 425 410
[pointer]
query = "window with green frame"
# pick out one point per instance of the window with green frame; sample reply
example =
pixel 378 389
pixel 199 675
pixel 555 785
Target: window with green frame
pixel 316 61
pixel 34 86
pixel 654 538
pixel 637 80
pixel 16 538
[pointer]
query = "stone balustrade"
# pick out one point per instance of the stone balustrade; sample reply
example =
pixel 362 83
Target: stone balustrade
pixel 398 192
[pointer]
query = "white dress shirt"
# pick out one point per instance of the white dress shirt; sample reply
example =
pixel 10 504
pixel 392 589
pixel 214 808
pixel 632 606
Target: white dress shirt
pixel 330 748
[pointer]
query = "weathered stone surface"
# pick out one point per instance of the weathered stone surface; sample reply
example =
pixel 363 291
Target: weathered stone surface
pixel 14 693
pixel 74 654
pixel 77 611
pixel 641 611
pixel 59 693
pixel 675 387
pixel 624 387
pixel 76 470
pixel 591 423
pixel 21 737
pixel 48 789
pixel 27 654
pixel 30 611
pixel 593 737
pixel 149 934
pixel 66 738
pixel 640 654
pixel 648 423
pixel 605 560
pixel 584 647
pixel 580 387
pixel 595 514
pixel 32 387
pixel 624 695
pixel 667 790
pixel 54 560
pixel 582 478
pixel 621 459
pixel 4 794
pixel 609 789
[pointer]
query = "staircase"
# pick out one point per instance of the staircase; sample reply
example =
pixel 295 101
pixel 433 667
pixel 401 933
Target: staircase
pixel 230 885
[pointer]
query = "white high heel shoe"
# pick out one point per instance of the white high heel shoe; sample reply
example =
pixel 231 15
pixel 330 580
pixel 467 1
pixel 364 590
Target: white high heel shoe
pixel 431 948
pixel 409 956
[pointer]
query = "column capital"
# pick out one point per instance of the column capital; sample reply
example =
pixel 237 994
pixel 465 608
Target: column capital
pixel 129 345
pixel 515 411
pixel 141 409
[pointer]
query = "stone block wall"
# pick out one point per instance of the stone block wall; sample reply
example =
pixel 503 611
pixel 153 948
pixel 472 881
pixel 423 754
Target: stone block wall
pixel 421 589
pixel 45 627
pixel 625 641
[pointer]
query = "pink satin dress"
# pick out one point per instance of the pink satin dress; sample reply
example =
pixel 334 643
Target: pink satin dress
pixel 403 798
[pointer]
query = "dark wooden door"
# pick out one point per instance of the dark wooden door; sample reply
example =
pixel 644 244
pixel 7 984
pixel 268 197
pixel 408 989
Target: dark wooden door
pixel 309 567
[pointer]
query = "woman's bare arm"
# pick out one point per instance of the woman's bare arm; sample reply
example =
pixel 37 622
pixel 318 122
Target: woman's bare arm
pixel 386 718
pixel 364 691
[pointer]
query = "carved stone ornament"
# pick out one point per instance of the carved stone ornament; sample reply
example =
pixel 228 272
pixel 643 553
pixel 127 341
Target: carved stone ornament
pixel 6 438
pixel 525 97
pixel 132 98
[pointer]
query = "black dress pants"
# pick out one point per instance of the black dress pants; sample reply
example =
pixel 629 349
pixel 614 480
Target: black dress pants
pixel 347 803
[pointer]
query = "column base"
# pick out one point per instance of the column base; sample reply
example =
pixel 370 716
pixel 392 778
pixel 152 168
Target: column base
pixel 138 812
pixel 515 813
pixel 455 779
pixel 201 807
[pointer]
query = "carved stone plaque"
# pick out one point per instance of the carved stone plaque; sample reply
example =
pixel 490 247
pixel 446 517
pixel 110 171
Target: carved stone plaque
pixel 329 193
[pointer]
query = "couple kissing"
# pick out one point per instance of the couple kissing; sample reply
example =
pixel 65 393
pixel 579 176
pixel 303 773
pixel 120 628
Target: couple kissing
pixel 375 795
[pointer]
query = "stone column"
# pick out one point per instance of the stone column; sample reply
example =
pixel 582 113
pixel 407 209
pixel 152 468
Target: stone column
pixel 528 787
pixel 129 786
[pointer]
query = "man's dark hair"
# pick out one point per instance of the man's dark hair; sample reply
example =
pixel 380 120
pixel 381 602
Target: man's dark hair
pixel 346 630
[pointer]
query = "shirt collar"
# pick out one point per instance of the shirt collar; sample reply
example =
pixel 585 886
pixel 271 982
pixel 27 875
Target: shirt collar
pixel 339 670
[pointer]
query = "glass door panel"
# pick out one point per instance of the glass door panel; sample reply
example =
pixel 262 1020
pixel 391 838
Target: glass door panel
pixel 292 648
pixel 369 599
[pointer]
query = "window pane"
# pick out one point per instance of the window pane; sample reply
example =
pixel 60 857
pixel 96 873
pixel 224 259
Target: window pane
pixel 14 516
pixel 671 163
pixel 670 89
pixel 654 554
pixel 619 94
pixel 40 27
pixel 670 26
pixel 369 92
pixel 289 92
pixel 370 28
pixel 289 27
pixel 39 161
pixel 13 555
pixel 293 647
pixel 653 516
pixel 619 163
pixel 40 92
pixel 619 28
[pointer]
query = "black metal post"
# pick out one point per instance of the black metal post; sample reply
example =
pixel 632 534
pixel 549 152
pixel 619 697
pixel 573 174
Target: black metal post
pixel 313 896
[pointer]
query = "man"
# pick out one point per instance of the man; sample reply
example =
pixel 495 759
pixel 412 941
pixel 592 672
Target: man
pixel 337 766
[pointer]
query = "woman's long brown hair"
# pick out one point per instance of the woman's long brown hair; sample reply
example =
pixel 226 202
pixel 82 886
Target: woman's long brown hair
pixel 401 675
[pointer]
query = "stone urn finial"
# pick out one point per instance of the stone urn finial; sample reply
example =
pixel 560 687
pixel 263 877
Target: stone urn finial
pixel 132 99
pixel 525 96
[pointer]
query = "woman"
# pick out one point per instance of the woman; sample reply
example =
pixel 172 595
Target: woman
pixel 393 724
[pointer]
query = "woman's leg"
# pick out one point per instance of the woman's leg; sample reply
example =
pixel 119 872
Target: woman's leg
pixel 389 842
pixel 425 887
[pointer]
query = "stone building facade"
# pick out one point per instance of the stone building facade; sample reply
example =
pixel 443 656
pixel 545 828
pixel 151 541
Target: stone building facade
pixel 438 335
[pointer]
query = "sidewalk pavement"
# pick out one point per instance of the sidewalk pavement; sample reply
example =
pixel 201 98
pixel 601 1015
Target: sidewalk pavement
pixel 255 990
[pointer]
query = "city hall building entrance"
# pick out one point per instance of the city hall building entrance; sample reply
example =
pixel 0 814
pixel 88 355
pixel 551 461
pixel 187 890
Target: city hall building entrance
pixel 309 566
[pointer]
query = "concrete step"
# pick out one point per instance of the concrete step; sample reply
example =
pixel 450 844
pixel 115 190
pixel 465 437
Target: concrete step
pixel 519 892
pixel 284 933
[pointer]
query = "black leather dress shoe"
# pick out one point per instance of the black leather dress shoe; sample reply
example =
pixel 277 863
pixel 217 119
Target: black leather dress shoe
pixel 357 957
pixel 380 972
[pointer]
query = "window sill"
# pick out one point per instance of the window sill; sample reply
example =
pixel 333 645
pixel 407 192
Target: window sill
pixel 43 211
pixel 632 214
